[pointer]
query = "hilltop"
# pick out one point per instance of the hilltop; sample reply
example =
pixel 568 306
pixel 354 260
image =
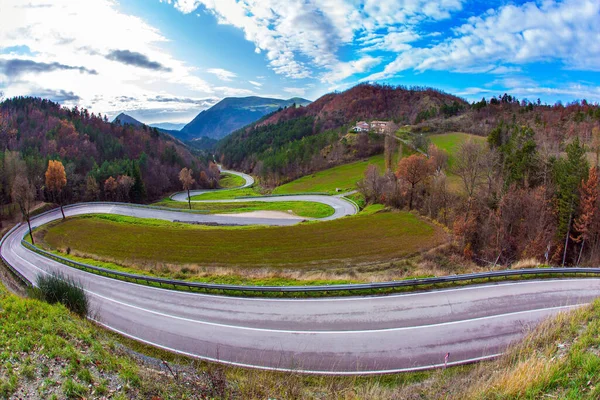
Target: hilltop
pixel 233 113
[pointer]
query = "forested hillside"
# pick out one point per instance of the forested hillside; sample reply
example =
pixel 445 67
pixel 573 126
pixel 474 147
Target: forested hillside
pixel 297 141
pixel 102 160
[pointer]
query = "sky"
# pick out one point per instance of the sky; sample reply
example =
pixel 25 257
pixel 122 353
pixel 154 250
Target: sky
pixel 166 60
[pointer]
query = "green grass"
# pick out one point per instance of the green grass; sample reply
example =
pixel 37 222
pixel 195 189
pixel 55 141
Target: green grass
pixel 450 142
pixel 60 289
pixel 229 181
pixel 363 238
pixel 343 177
pixel 227 194
pixel 35 335
pixel 309 209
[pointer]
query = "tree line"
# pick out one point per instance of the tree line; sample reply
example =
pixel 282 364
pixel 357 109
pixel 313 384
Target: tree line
pixel 519 196
pixel 101 160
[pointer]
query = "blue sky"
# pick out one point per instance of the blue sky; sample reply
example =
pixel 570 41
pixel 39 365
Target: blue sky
pixel 166 60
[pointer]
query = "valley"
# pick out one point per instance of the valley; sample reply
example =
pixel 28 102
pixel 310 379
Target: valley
pixel 315 204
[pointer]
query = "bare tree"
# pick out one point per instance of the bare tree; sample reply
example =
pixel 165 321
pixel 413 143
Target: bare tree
pixel 370 185
pixel 185 176
pixel 23 193
pixel 438 157
pixel 471 166
pixel 124 185
pixel 110 187
pixel 92 190
pixel 414 170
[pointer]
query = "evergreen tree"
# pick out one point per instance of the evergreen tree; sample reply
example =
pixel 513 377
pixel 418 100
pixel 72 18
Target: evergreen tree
pixel 568 174
pixel 138 190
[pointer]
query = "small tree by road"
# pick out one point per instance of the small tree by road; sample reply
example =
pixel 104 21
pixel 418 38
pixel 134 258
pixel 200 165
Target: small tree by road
pixel 23 193
pixel 56 180
pixel 185 176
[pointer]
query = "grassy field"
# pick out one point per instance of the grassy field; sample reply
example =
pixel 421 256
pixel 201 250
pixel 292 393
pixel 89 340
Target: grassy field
pixel 451 141
pixel 342 177
pixel 229 181
pixel 227 194
pixel 345 176
pixel 309 209
pixel 333 243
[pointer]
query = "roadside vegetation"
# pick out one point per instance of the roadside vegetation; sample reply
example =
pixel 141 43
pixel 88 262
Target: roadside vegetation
pixel 60 289
pixel 307 209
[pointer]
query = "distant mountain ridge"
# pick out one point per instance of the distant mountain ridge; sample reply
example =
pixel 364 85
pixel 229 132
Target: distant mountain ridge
pixel 233 113
pixel 124 119
pixel 171 126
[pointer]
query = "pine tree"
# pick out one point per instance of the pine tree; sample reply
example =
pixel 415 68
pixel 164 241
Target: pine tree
pixel 138 190
pixel 568 174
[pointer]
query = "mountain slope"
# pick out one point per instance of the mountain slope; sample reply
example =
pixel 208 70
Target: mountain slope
pixel 233 113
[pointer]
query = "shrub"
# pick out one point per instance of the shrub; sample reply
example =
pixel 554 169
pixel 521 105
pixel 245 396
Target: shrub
pixel 57 288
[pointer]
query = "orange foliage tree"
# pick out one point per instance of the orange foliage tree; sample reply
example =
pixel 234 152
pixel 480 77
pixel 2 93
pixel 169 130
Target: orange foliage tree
pixel 185 176
pixel 56 180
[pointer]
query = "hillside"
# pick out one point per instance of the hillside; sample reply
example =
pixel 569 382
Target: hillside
pixel 233 113
pixel 368 102
pixel 299 141
pixel 33 131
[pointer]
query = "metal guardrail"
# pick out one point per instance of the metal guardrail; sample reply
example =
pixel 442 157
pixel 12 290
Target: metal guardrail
pixel 321 288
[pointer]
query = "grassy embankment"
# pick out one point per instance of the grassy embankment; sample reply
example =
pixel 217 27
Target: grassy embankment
pixel 343 177
pixel 228 181
pixel 310 253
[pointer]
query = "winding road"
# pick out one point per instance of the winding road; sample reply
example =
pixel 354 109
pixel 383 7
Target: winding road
pixel 349 335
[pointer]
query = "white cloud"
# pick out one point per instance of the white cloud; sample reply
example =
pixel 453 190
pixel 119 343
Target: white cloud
pixel 257 84
pixel 222 74
pixel 293 31
pixel 345 70
pixel 65 39
pixel 551 30
pixel 296 91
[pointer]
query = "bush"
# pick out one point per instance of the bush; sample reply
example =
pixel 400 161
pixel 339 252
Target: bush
pixel 57 288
